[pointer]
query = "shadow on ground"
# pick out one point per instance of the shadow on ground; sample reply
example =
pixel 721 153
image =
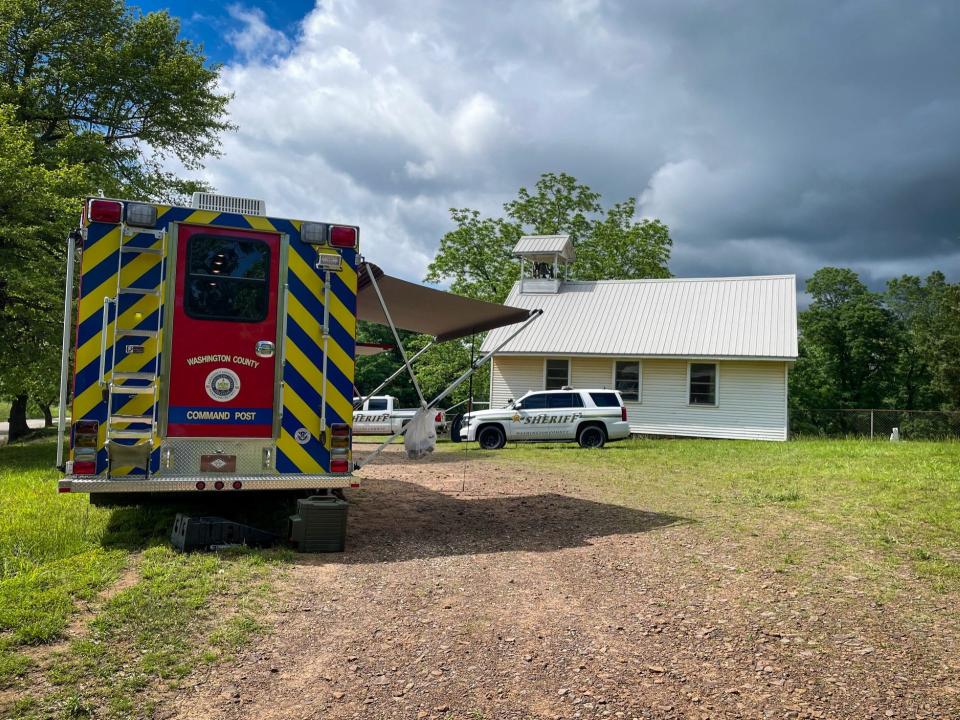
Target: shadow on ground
pixel 141 526
pixel 392 520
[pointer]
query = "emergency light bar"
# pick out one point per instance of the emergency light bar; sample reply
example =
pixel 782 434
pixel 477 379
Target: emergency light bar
pixel 338 236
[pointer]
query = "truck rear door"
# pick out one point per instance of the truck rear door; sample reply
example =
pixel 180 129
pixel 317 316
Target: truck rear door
pixel 224 331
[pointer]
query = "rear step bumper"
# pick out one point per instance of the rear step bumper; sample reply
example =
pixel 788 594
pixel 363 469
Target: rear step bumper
pixel 133 483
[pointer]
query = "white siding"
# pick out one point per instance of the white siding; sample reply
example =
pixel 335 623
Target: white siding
pixel 751 402
pixel 751 398
pixel 591 373
pixel 511 377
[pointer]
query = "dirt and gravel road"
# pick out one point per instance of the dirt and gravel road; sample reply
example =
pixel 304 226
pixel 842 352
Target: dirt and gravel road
pixel 533 597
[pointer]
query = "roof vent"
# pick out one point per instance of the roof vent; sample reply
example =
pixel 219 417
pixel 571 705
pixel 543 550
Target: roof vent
pixel 228 203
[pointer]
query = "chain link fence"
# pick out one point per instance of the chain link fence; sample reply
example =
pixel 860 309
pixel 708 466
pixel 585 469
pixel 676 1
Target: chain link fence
pixel 877 424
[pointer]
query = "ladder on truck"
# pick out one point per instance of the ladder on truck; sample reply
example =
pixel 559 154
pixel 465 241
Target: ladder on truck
pixel 126 385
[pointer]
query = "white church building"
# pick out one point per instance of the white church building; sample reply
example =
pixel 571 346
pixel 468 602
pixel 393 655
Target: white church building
pixel 696 357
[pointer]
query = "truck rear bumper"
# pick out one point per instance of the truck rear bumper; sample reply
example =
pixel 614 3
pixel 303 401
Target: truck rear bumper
pixel 203 483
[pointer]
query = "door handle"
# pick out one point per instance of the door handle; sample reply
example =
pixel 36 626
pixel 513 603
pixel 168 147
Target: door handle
pixel 265 348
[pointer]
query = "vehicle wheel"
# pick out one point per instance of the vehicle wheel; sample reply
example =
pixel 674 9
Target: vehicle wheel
pixel 455 428
pixel 591 436
pixel 491 437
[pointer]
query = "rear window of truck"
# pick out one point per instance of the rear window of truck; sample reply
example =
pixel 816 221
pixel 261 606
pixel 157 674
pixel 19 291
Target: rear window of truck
pixel 605 399
pixel 227 279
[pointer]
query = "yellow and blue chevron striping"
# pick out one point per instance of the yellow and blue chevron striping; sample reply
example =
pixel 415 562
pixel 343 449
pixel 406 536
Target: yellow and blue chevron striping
pixel 303 385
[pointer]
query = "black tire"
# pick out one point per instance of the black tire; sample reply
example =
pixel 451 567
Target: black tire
pixel 455 427
pixel 491 437
pixel 592 437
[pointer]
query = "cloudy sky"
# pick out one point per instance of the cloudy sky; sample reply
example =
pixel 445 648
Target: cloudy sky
pixel 772 137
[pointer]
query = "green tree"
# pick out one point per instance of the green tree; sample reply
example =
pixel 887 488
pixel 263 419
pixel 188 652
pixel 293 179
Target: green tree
pixel 104 96
pixel 849 344
pixel 476 256
pixel 918 308
pixel 36 203
pixel 560 206
pixel 112 89
pixel 621 248
pixel 928 365
pixel 373 369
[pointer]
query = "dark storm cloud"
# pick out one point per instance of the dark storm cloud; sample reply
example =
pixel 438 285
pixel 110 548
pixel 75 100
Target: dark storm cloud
pixel 772 137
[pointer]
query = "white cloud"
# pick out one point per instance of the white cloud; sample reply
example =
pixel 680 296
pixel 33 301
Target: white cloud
pixel 256 39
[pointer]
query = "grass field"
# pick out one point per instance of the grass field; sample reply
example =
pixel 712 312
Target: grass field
pixel 147 615
pixel 98 616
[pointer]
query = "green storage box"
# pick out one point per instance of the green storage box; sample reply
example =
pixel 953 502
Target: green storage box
pixel 320 524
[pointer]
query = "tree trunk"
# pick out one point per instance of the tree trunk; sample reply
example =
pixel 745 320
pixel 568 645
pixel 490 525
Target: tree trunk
pixel 47 416
pixel 18 418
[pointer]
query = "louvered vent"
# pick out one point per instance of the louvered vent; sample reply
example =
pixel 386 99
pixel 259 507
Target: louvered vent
pixel 228 203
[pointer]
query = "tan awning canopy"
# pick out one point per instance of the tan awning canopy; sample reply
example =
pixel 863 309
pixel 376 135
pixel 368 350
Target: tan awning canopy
pixel 364 348
pixel 425 310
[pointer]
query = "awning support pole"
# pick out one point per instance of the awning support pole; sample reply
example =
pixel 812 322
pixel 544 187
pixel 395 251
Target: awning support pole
pixel 534 314
pixel 326 346
pixel 399 371
pixel 396 335
pixel 72 241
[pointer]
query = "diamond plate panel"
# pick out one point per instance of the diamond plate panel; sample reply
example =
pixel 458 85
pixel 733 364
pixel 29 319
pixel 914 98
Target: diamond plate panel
pixel 186 456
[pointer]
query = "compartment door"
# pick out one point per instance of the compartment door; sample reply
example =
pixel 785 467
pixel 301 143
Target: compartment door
pixel 223 351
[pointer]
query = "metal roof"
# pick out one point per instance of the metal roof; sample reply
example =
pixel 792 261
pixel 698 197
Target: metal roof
pixel 739 317
pixel 542 245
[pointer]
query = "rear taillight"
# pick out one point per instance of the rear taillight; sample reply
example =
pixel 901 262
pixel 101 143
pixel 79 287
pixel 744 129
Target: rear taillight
pixel 84 467
pixel 108 211
pixel 339 465
pixel 343 236
pixel 86 440
pixel 86 427
pixel 623 413
pixel 339 435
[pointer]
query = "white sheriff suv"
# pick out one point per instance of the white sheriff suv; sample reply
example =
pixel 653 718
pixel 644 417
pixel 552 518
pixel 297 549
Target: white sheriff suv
pixel 591 417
